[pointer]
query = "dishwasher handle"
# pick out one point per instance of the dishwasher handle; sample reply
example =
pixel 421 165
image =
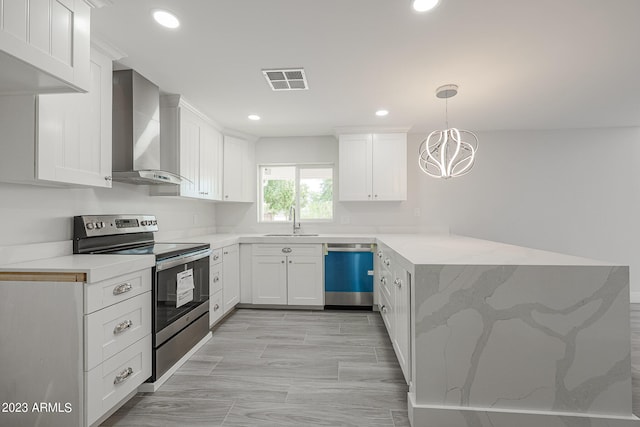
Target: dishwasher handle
pixel 349 247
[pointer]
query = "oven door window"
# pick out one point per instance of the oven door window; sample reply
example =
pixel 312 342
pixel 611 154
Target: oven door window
pixel 166 303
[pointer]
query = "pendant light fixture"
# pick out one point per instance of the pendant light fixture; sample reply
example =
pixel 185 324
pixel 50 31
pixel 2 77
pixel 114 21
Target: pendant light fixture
pixel 444 154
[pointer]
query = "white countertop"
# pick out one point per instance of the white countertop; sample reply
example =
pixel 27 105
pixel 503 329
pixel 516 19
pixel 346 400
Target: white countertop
pixel 96 267
pixel 444 249
pixel 416 249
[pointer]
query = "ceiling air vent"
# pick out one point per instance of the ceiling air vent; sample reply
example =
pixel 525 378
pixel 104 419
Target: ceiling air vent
pixel 286 79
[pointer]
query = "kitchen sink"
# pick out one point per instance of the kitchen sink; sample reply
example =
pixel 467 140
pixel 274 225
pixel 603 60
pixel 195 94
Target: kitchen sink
pixel 290 235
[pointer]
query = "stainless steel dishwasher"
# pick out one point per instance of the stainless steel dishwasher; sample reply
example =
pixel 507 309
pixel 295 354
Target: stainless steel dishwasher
pixel 348 275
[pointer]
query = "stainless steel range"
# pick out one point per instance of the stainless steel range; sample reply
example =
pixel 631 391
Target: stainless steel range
pixel 180 279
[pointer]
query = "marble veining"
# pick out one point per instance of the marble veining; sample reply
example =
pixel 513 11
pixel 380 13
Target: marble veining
pixel 526 355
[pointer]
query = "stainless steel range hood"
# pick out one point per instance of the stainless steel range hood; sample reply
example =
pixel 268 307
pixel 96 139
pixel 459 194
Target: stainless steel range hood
pixel 136 131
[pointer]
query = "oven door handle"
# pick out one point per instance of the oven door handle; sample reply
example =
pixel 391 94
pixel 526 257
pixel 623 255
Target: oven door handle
pixel 182 259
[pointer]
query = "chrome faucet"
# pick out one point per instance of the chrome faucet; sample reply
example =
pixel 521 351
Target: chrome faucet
pixel 292 215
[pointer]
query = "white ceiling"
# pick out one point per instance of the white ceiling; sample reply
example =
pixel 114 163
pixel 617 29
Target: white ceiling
pixel 520 64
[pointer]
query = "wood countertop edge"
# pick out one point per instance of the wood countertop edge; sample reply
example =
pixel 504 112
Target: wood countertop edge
pixel 45 276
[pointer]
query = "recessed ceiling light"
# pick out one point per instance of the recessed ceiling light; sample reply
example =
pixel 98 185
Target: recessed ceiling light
pixel 382 113
pixel 166 19
pixel 253 117
pixel 424 5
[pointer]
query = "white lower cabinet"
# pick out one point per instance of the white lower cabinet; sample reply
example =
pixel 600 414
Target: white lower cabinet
pixel 287 274
pixel 231 277
pixel 394 293
pixel 84 345
pixel 224 281
pixel 117 341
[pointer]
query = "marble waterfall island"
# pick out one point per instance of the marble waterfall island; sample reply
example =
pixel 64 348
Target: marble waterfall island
pixel 504 336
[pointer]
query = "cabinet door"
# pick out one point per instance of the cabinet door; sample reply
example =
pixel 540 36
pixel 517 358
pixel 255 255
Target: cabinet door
pixel 74 131
pixel 44 46
pixel 189 153
pixel 230 277
pixel 233 169
pixel 269 279
pixel 355 167
pixel 305 283
pixel 401 338
pixel 389 159
pixel 211 163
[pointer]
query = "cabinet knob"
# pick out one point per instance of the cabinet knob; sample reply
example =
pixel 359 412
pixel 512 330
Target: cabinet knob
pixel 107 178
pixel 375 195
pixel 226 196
pixel 369 195
pixel 290 261
pixel 282 261
pixel 383 308
pixel 216 307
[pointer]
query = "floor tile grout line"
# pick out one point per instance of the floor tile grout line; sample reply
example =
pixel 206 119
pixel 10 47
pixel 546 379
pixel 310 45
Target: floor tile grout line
pixel 231 407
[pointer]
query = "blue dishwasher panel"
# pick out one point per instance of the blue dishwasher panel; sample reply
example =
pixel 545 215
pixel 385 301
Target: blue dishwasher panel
pixel 348 272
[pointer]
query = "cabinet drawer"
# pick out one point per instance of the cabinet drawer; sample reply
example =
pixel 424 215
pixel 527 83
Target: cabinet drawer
pixel 386 284
pixel 111 291
pixel 111 381
pixel 215 279
pixel 116 327
pixel 216 256
pixel 215 308
pixel 284 249
pixel 386 311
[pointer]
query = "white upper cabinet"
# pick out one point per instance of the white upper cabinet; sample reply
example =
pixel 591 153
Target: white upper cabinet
pixel 61 138
pixel 191 146
pixel 44 46
pixel 239 170
pixel 373 167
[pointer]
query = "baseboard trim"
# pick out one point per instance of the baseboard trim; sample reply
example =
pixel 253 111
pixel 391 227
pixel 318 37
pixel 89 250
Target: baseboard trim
pixel 458 416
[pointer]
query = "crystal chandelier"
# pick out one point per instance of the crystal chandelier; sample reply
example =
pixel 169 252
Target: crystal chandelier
pixel 444 153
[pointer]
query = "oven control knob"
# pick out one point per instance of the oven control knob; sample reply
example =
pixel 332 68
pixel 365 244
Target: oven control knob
pixel 89 226
pixel 100 225
pixel 155 222
pixel 143 223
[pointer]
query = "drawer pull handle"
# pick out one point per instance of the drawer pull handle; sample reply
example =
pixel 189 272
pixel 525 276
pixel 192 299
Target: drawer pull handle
pixel 380 254
pixel 387 262
pixel 383 280
pixel 121 327
pixel 216 279
pixel 216 307
pixel 398 283
pixel 286 250
pixel 383 308
pixel 123 376
pixel 121 289
pixel 216 257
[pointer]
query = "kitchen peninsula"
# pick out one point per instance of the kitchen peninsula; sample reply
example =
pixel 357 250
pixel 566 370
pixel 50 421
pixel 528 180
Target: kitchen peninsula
pixel 489 334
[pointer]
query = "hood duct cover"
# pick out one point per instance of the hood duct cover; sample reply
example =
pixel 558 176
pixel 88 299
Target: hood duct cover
pixel 136 131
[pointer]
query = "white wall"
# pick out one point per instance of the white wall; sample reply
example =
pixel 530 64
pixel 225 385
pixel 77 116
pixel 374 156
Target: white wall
pixel 352 217
pixel 569 191
pixel 33 214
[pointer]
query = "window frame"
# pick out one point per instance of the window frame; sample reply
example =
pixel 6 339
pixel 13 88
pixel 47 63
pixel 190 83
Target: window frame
pixel 297 167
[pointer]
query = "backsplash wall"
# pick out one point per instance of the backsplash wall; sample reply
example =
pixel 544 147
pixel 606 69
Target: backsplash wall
pixel 34 214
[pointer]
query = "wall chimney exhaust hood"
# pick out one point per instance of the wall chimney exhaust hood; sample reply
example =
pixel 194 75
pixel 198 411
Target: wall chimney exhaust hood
pixel 136 131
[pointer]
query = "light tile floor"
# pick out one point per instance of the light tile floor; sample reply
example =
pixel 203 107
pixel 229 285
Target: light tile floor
pixel 294 368
pixel 282 368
